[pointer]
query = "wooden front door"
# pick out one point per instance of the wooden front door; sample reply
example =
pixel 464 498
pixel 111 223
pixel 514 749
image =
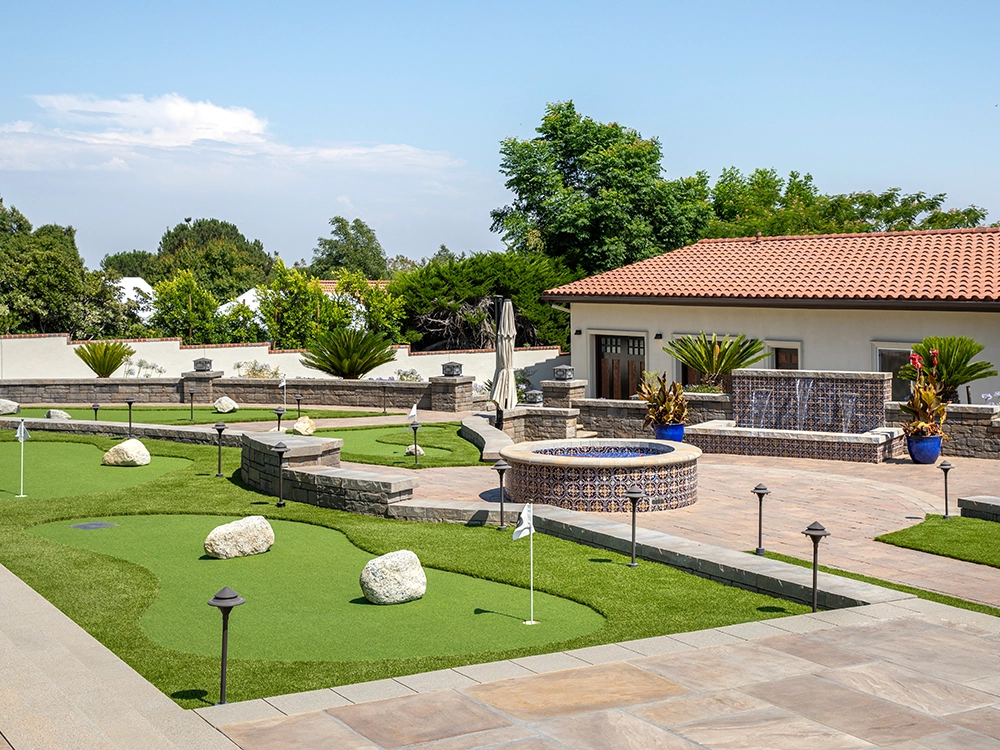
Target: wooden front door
pixel 620 362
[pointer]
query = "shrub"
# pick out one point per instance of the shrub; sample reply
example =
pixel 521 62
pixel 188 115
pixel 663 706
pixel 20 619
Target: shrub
pixel 104 357
pixel 954 363
pixel 409 376
pixel 716 359
pixel 348 354
pixel 666 403
pixel 925 408
pixel 256 370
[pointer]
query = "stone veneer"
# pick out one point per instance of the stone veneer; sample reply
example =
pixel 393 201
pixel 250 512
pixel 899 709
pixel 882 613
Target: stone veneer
pixel 539 423
pixel 623 419
pixel 972 430
pixel 313 476
pixel 811 400
pixel 669 478
pixel 985 507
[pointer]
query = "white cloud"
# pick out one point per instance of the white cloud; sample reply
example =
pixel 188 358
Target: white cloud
pixel 133 132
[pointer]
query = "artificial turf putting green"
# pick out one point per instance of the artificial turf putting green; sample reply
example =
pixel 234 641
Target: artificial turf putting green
pixel 60 469
pixel 386 445
pixel 304 602
pixel 109 596
pixel 971 539
pixel 182 414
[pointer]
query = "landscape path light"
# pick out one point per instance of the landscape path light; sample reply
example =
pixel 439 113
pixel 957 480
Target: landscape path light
pixel 415 425
pixel 501 466
pixel 816 531
pixel 281 449
pixel 383 399
pixel 220 428
pixel 95 407
pixel 191 402
pixel 280 412
pixel 298 405
pixel 760 491
pixel 130 401
pixel 634 495
pixel 225 600
pixel 945 467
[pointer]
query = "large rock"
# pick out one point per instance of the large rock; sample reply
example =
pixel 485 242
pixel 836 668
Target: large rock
pixel 57 414
pixel 394 578
pixel 128 453
pixel 9 407
pixel 248 536
pixel 409 450
pixel 303 426
pixel 225 405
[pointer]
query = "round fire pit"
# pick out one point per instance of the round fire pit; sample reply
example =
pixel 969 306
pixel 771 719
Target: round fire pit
pixel 593 475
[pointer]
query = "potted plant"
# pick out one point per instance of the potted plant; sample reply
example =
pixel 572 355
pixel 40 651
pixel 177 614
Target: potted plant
pixel 926 411
pixel 667 406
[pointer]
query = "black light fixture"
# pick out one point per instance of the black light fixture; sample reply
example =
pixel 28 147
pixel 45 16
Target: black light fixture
pixel 634 495
pixel 281 449
pixel 383 399
pixel 219 428
pixel 95 407
pixel 415 425
pixel 191 402
pixel 280 412
pixel 501 466
pixel 658 336
pixel 130 401
pixel 225 600
pixel 945 467
pixel 816 531
pixel 298 405
pixel 760 491
pixel 578 332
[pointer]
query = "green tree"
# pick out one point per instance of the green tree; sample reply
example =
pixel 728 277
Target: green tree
pixel 182 307
pixel 450 305
pixel 293 308
pixel 139 263
pixel 952 362
pixel 592 194
pixel 352 246
pixel 239 325
pixel 381 310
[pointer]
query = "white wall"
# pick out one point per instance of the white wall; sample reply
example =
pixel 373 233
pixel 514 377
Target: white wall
pixel 827 339
pixel 52 357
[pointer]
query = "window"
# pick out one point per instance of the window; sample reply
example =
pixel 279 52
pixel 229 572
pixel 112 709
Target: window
pixel 786 358
pixel 891 360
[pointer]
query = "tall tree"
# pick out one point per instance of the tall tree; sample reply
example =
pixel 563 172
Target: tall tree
pixel 139 263
pixel 592 194
pixel 352 246
pixel 293 308
pixel 182 307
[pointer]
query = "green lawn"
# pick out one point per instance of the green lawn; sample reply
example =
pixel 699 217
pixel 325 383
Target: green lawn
pixel 932 596
pixel 182 414
pixel 387 445
pixel 117 599
pixel 970 539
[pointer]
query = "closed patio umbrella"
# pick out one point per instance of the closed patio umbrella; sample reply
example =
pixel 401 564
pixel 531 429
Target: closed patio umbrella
pixel 504 393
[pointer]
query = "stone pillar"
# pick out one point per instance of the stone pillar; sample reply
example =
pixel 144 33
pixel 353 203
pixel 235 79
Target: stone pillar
pixel 201 383
pixel 451 393
pixel 563 393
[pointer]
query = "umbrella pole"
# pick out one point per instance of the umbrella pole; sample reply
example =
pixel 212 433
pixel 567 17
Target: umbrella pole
pixel 499 420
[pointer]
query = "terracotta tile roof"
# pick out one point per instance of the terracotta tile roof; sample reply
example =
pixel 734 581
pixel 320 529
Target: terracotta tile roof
pixel 330 285
pixel 955 265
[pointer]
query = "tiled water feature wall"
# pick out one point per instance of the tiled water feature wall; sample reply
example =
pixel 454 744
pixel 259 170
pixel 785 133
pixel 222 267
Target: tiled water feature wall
pixel 811 400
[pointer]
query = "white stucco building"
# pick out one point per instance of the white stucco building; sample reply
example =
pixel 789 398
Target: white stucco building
pixel 820 302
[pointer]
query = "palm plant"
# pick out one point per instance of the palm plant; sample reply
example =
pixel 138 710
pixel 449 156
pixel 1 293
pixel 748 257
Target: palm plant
pixel 104 357
pixel 716 359
pixel 955 367
pixel 347 353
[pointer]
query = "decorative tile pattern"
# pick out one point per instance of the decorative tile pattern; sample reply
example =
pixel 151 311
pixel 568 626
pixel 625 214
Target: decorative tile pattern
pixel 797 447
pixel 811 401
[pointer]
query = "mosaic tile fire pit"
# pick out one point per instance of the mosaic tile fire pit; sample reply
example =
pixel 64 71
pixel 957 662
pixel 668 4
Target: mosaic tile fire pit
pixel 593 475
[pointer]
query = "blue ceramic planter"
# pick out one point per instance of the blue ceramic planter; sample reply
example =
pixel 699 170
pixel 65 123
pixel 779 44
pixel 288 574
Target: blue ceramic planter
pixel 673 431
pixel 923 450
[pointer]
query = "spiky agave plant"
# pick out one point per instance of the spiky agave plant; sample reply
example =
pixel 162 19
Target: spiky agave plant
pixel 348 354
pixel 104 357
pixel 716 359
pixel 954 363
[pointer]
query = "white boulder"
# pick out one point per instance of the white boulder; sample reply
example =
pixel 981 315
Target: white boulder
pixel 9 407
pixel 128 453
pixel 225 405
pixel 393 578
pixel 248 536
pixel 409 450
pixel 57 414
pixel 303 426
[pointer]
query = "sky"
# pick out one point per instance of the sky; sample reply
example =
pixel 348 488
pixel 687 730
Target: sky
pixel 123 119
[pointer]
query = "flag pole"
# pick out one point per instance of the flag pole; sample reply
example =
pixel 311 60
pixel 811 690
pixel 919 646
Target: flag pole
pixel 22 462
pixel 531 568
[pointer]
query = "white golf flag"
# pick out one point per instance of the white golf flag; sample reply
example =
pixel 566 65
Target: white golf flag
pixel 282 384
pixel 22 432
pixel 413 413
pixel 524 523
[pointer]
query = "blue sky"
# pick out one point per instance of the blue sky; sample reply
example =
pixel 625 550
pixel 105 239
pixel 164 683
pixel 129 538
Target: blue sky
pixel 122 119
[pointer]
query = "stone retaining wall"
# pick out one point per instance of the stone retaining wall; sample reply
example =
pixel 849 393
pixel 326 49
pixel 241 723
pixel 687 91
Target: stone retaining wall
pixel 199 435
pixel 980 506
pixel 623 419
pixel 540 423
pixel 94 390
pixel 312 475
pixel 973 430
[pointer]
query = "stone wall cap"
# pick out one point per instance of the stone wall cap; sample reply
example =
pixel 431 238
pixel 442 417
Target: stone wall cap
pixel 816 374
